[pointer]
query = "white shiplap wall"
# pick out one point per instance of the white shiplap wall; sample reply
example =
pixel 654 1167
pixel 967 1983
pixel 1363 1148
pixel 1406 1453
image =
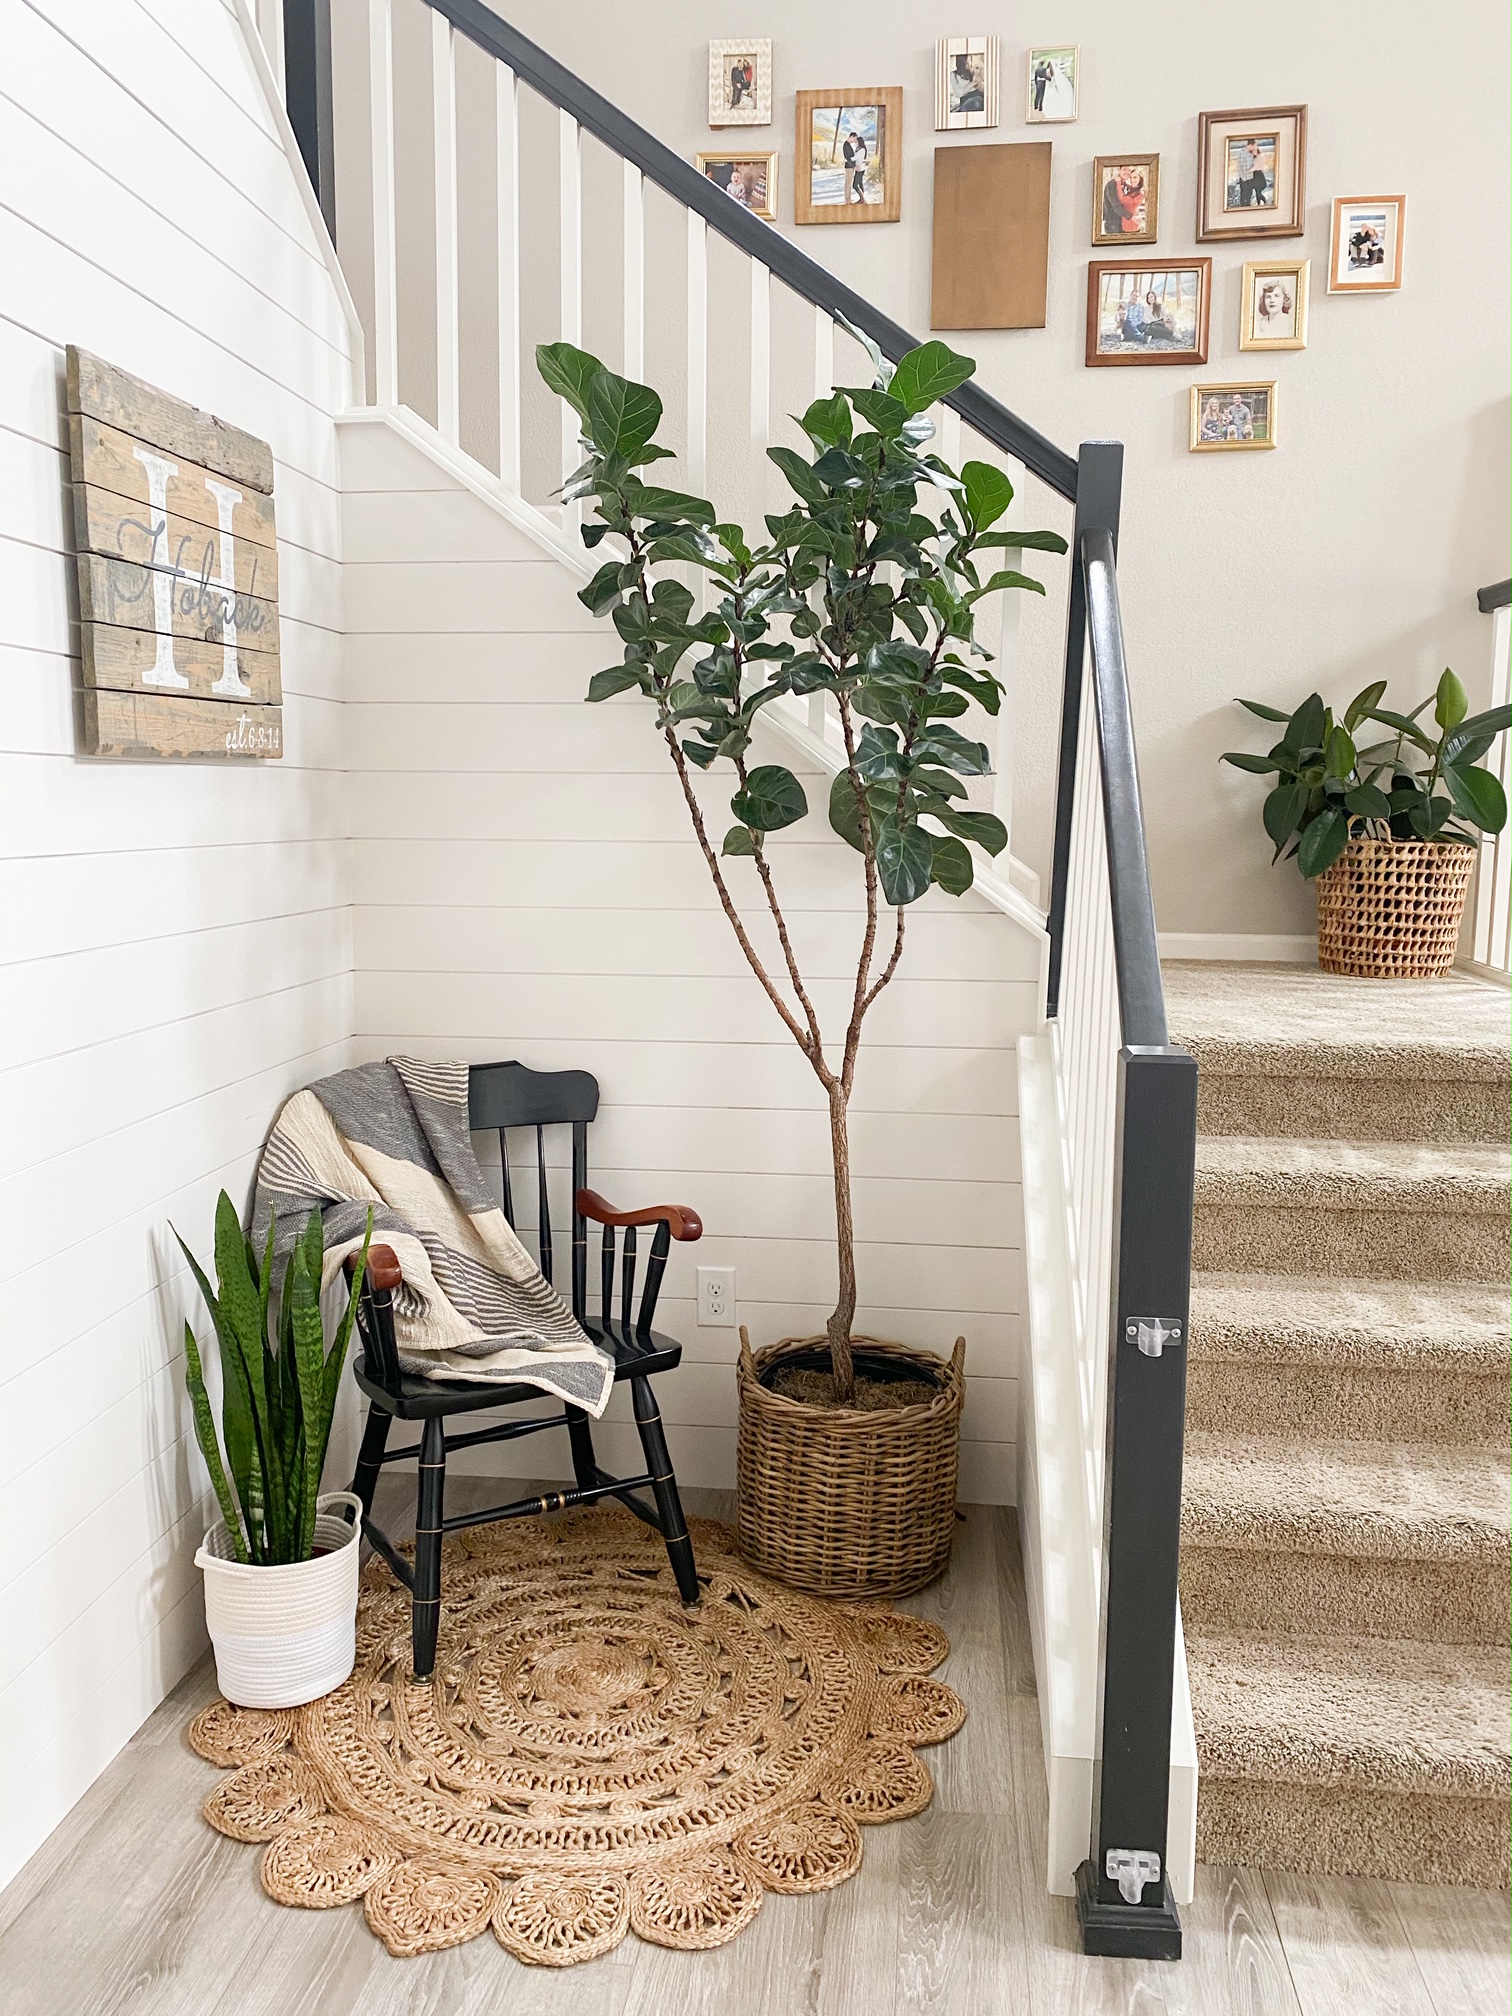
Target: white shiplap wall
pixel 176 949
pixel 525 884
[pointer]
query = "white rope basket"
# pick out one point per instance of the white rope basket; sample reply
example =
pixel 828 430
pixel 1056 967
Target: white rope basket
pixel 285 1635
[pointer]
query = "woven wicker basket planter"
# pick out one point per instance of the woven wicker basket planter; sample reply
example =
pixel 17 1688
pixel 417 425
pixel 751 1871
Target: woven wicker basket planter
pixel 846 1503
pixel 1391 909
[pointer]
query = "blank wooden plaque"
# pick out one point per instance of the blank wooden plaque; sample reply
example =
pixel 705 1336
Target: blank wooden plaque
pixel 991 236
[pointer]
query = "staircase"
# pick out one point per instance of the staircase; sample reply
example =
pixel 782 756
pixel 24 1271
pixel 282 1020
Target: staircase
pixel 1344 1573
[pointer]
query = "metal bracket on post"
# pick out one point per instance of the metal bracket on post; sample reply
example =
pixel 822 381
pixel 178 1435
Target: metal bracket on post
pixel 1153 1333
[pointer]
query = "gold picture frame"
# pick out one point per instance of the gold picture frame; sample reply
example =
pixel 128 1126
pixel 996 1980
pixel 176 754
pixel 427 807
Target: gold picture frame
pixel 1252 173
pixel 1052 74
pixel 1232 418
pixel 1273 304
pixel 849 160
pixel 1380 270
pixel 1148 311
pixel 1116 202
pixel 747 178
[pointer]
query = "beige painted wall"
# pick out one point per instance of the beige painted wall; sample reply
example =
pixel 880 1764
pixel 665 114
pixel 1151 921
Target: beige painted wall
pixel 1355 549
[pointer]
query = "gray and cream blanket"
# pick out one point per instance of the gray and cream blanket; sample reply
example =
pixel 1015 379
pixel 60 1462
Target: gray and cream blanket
pixel 394 1138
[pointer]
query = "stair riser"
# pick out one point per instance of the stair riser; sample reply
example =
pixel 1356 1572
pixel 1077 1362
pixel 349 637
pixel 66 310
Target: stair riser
pixel 1233 1592
pixel 1352 1109
pixel 1346 1403
pixel 1389 1245
pixel 1252 1823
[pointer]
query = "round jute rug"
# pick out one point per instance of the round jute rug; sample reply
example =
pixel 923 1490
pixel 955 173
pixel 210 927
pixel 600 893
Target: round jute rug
pixel 589 1757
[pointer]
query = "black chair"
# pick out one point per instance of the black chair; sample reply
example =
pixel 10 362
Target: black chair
pixel 502 1096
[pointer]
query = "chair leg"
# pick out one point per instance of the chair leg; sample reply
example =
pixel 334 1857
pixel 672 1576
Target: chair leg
pixel 370 1457
pixel 580 1434
pixel 674 1528
pixel 426 1617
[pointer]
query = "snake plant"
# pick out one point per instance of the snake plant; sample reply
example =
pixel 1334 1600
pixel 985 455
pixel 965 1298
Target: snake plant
pixel 278 1397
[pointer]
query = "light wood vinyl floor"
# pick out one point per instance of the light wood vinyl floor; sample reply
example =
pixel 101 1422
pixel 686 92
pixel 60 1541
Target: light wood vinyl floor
pixel 135 1908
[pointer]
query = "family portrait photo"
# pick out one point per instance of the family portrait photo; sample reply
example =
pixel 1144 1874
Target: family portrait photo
pixel 849 168
pixel 1273 305
pixel 740 83
pixel 1251 179
pixel 966 82
pixel 1052 85
pixel 1126 199
pixel 748 179
pixel 1233 416
pixel 1251 172
pixel 1366 253
pixel 1146 312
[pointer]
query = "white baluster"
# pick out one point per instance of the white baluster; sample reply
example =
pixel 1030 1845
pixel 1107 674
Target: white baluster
pixel 507 185
pixel 270 28
pixel 385 287
pixel 761 382
pixel 698 354
pixel 570 180
pixel 950 436
pixel 444 130
pixel 824 384
pixel 635 273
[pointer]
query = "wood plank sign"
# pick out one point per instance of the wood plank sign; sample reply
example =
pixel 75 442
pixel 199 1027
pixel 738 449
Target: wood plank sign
pixel 178 573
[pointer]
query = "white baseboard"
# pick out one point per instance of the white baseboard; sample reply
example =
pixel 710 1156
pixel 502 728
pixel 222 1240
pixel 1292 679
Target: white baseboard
pixel 1301 949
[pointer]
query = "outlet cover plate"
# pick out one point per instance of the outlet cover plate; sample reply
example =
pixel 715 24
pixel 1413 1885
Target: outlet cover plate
pixel 716 1298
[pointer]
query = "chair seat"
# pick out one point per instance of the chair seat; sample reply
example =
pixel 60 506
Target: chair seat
pixel 418 1399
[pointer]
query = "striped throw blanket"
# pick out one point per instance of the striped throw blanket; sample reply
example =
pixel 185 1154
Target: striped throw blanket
pixel 394 1138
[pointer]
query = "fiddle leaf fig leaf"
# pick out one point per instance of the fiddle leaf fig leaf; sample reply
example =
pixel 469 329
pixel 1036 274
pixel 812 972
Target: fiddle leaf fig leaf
pixel 950 865
pixel 926 374
pixel 617 679
pixel 905 856
pixel 621 414
pixel 568 372
pixel 988 493
pixel 738 841
pixel 772 798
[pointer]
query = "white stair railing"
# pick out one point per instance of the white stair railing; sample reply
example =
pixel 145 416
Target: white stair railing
pixel 1493 885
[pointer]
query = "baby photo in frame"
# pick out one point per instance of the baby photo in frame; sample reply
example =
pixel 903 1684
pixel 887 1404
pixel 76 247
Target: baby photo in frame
pixel 1273 305
pixel 1251 173
pixel 1125 199
pixel 747 179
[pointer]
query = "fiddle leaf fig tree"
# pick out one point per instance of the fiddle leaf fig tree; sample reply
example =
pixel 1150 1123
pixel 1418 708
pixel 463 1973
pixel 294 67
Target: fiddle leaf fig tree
pixel 860 591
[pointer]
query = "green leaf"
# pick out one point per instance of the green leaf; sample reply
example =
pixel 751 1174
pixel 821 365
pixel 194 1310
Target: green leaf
pixel 1478 796
pixel 827 422
pixel 204 1432
pixel 738 841
pixel 1006 578
pixel 301 1294
pixel 1451 703
pixel 568 372
pixel 845 812
pixel 1266 713
pixel 1428 815
pixel 602 590
pixel 988 493
pixel 1403 724
pixel 622 416
pixel 879 409
pixel 926 374
pixel 985 828
pixel 1305 729
pixel 1364 700
pixel 1282 812
pixel 1042 542
pixel 950 865
pixel 1339 755
pixel 772 798
pixel 1478 728
pixel 617 679
pixel 1323 841
pixel 905 854
pixel 800 476
pixel 1262 766
pixel 1368 801
pixel 648 500
pixel 337 1355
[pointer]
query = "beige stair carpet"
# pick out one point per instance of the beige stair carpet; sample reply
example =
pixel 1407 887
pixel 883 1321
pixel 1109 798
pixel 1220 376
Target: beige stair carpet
pixel 1345 1554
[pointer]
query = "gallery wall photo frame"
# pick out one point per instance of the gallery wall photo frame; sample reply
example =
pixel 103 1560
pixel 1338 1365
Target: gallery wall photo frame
pixel 1148 311
pixel 966 83
pixel 1273 304
pixel 1230 418
pixel 1052 84
pixel 1125 199
pixel 740 82
pixel 1251 173
pixel 747 178
pixel 1365 245
pixel 848 163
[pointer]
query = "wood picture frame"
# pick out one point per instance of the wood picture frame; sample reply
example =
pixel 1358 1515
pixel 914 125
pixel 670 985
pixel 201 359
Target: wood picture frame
pixel 1116 202
pixel 1146 323
pixel 747 178
pixel 1052 85
pixel 1383 216
pixel 966 83
pixel 740 82
pixel 834 182
pixel 1233 418
pixel 1280 321
pixel 1252 173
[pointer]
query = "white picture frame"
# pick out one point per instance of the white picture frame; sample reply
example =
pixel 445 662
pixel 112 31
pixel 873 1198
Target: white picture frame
pixel 740 81
pixel 966 83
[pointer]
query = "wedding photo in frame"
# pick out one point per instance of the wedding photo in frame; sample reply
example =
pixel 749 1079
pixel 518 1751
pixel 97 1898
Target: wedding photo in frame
pixel 1232 418
pixel 1125 199
pixel 740 83
pixel 848 163
pixel 1365 249
pixel 1053 85
pixel 1273 305
pixel 966 83
pixel 1251 173
pixel 1148 311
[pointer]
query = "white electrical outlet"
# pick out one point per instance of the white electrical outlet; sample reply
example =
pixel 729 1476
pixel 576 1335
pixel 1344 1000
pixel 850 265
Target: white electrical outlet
pixel 716 1298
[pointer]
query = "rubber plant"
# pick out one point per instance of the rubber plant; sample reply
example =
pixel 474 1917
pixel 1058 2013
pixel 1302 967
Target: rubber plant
pixel 278 1385
pixel 858 592
pixel 1413 785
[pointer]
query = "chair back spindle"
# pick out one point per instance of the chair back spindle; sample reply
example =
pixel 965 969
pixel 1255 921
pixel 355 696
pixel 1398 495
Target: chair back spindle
pixel 543 1203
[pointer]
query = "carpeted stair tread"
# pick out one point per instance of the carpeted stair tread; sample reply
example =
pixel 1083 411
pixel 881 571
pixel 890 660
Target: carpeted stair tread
pixel 1421 1502
pixel 1269 1020
pixel 1398 1326
pixel 1468 1178
pixel 1377 1714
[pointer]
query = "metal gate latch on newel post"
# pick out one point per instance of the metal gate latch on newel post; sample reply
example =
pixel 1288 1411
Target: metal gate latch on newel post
pixel 1152 1333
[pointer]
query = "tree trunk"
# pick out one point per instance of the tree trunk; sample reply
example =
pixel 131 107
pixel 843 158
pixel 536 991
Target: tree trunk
pixel 839 1327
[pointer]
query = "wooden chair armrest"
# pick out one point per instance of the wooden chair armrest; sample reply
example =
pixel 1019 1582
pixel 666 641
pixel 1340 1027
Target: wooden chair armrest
pixel 682 1220
pixel 383 1269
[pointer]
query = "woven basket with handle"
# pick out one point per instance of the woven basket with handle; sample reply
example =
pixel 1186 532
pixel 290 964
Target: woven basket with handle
pixel 841 1502
pixel 1391 909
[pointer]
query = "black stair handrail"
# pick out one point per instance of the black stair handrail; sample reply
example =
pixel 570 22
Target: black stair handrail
pixel 990 417
pixel 1497 596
